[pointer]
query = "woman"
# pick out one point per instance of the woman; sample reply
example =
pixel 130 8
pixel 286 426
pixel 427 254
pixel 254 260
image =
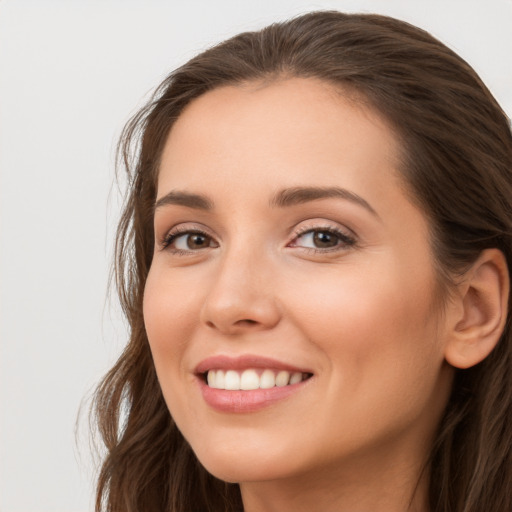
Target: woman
pixel 313 259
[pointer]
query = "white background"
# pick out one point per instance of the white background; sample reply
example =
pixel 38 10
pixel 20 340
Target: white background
pixel 71 73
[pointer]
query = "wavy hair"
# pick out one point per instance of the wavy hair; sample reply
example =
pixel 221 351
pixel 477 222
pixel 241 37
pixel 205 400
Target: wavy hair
pixel 457 164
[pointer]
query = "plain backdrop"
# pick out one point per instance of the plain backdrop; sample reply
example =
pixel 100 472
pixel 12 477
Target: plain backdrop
pixel 71 73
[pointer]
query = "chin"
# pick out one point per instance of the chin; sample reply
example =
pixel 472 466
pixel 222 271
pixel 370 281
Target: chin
pixel 245 464
pixel 233 471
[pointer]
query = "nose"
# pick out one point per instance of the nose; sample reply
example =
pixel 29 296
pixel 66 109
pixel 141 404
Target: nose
pixel 241 297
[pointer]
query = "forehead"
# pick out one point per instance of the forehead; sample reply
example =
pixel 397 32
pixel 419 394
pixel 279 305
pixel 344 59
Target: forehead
pixel 287 133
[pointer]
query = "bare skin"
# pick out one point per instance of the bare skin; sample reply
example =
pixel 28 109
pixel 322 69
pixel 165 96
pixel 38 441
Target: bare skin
pixel 341 286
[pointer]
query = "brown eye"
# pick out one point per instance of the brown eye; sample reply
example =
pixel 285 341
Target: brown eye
pixel 325 239
pixel 188 241
pixel 197 241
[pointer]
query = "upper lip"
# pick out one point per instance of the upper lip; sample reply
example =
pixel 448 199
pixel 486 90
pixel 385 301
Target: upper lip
pixel 244 362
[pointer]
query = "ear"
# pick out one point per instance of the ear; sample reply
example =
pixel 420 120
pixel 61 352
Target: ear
pixel 480 311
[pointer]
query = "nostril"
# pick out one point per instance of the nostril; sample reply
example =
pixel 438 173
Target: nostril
pixel 246 322
pixel 235 326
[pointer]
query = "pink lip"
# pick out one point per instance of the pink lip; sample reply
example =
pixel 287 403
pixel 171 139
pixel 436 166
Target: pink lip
pixel 245 401
pixel 243 363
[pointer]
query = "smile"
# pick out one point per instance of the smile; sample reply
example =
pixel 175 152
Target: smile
pixel 252 378
pixel 248 383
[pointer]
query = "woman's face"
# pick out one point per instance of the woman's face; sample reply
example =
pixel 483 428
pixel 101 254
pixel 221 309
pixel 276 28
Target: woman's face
pixel 290 263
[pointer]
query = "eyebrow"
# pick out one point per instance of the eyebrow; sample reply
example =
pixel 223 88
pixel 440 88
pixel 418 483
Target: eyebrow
pixel 299 195
pixel 196 201
pixel 282 199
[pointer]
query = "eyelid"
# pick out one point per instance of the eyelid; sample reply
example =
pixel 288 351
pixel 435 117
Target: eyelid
pixel 347 237
pixel 180 230
pixel 319 224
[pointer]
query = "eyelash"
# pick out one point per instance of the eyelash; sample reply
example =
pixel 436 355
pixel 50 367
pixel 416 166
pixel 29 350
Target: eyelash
pixel 170 237
pixel 345 241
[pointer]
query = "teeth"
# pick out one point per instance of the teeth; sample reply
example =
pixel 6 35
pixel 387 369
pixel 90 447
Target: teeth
pixel 296 378
pixel 220 380
pixel 250 379
pixel 267 379
pixel 232 380
pixel 211 378
pixel 282 379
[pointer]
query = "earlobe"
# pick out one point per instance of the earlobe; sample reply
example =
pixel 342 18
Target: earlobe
pixel 481 312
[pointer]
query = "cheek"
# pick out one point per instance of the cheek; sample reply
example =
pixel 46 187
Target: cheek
pixel 359 301
pixel 169 317
pixel 372 326
pixel 378 339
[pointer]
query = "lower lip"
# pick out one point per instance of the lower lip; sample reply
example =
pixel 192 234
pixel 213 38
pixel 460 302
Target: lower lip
pixel 246 401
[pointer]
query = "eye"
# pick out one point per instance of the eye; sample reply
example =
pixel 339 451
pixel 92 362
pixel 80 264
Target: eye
pixel 323 239
pixel 188 241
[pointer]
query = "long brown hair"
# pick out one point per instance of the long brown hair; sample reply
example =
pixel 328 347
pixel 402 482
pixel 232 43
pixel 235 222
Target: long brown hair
pixel 457 165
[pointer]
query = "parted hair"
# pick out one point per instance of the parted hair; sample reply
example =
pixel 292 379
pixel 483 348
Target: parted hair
pixel 456 163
